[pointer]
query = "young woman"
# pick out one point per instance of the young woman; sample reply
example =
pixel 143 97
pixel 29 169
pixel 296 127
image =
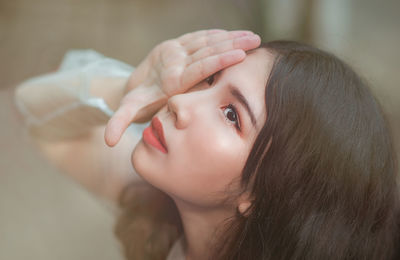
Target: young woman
pixel 279 152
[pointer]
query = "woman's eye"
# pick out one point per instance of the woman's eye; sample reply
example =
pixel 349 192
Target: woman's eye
pixel 232 115
pixel 210 80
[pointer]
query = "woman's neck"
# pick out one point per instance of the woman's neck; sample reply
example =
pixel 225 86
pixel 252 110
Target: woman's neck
pixel 202 228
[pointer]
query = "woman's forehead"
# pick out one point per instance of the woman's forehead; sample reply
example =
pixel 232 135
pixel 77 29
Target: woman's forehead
pixel 255 67
pixel 250 78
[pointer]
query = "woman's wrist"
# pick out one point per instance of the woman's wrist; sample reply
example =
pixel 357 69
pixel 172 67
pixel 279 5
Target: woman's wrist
pixel 111 90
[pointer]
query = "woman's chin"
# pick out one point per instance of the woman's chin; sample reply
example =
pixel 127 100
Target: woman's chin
pixel 136 161
pixel 144 163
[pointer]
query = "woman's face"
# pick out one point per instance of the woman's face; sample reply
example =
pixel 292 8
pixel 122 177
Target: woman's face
pixel 208 132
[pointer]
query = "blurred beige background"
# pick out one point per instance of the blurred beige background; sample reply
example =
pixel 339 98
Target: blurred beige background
pixel 43 214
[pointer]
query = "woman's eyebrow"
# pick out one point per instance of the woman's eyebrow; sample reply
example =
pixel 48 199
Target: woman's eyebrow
pixel 235 92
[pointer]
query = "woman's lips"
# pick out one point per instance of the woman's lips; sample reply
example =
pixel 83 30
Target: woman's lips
pixel 154 135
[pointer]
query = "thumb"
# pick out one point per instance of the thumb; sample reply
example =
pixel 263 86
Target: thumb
pixel 118 123
pixel 139 105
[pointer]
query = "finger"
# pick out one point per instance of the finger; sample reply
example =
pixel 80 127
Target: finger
pixel 208 40
pixel 189 37
pixel 138 105
pixel 204 68
pixel 118 123
pixel 245 43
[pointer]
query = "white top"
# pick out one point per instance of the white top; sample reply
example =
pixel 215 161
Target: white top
pixel 177 252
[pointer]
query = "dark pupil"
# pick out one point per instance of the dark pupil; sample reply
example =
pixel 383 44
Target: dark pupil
pixel 231 115
pixel 210 80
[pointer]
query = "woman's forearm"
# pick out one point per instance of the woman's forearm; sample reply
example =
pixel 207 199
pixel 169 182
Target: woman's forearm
pixel 53 112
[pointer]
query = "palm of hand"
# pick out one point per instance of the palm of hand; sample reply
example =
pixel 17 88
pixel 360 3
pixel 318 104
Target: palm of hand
pixel 169 62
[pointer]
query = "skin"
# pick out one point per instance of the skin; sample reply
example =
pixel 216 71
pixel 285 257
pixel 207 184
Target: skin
pixel 206 151
pixel 173 67
pixel 197 126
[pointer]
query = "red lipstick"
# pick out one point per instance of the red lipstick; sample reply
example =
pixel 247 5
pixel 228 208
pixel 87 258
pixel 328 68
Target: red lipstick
pixel 154 135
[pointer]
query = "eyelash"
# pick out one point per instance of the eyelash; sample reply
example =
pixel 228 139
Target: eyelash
pixel 236 122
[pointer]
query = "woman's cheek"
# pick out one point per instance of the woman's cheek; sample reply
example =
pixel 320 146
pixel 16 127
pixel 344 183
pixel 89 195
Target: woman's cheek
pixel 216 155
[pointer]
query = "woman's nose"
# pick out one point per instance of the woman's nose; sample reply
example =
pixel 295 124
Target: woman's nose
pixel 179 107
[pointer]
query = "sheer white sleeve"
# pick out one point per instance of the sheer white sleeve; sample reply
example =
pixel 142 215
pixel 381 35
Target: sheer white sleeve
pixel 61 104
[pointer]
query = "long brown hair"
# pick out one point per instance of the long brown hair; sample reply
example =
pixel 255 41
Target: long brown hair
pixel 325 187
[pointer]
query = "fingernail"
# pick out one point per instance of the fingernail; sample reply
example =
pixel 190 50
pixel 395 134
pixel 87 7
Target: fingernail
pixel 253 37
pixel 241 33
pixel 246 38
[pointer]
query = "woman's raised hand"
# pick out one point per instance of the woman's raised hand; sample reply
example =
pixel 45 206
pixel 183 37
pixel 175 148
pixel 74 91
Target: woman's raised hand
pixel 173 67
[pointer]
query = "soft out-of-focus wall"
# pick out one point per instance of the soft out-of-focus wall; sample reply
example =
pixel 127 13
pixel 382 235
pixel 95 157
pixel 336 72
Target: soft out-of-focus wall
pixel 44 215
pixel 35 34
